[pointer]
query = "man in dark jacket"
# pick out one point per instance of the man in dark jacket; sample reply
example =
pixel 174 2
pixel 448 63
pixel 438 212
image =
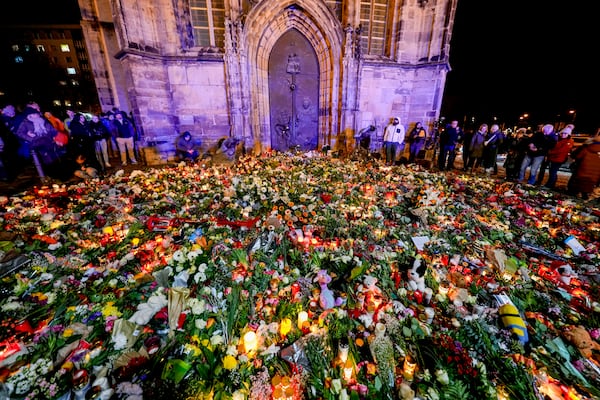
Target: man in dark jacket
pixel 537 148
pixel 449 138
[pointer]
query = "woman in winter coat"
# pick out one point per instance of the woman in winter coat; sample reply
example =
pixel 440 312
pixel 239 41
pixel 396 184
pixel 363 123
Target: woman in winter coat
pixel 587 173
pixel 475 148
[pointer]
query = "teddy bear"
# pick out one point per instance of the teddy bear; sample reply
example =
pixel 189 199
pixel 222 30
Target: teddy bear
pixel 582 340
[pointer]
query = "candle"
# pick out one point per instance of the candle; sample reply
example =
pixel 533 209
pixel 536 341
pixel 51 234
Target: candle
pixel 285 326
pixel 250 342
pixel 409 368
pixel 302 318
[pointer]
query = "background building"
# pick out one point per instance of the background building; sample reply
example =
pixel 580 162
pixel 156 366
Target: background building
pixel 275 73
pixel 48 64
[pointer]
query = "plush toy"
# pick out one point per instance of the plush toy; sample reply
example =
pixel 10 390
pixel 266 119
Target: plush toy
pixel 416 278
pixel 582 340
pixel 326 298
pixel 566 273
pixel 511 319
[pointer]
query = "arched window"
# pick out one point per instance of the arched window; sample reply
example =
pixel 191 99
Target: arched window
pixel 208 22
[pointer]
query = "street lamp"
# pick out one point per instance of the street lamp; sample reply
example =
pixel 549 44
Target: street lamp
pixel 573 114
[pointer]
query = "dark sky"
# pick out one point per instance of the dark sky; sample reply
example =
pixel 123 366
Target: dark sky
pixel 507 57
pixel 514 57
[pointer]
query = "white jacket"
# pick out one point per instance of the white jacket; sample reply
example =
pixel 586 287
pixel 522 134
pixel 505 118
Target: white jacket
pixel 394 133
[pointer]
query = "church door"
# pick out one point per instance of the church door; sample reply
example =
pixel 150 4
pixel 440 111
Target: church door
pixel 294 93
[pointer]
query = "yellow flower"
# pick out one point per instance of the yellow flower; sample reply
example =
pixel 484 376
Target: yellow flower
pixel 109 309
pixel 229 362
pixel 68 332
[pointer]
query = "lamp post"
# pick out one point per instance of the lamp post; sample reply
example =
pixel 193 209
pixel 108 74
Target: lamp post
pixel 573 114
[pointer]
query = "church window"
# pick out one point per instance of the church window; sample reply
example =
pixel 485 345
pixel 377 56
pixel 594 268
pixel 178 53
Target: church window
pixel 374 21
pixel 208 21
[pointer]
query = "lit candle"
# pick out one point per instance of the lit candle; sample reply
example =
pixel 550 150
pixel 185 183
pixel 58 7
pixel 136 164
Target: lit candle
pixel 409 368
pixel 250 342
pixel 285 326
pixel 302 318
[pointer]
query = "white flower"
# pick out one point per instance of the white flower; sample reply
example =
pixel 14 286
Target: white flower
pixel 179 256
pixel 441 375
pixel 191 256
pixel 238 395
pixel 196 306
pixel 200 323
pixel 231 350
pixel 11 306
pixel 200 276
pixel 120 341
pixel 216 340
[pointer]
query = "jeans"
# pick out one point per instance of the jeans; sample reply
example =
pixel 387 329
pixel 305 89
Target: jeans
pixel 415 148
pixel 553 174
pixel 535 163
pixel 390 152
pixel 101 148
pixel 446 158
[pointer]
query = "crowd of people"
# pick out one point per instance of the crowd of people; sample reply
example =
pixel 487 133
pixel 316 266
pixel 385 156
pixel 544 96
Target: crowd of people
pixel 533 157
pixel 80 146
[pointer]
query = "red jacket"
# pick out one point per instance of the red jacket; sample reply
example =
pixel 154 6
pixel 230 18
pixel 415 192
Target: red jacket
pixel 560 152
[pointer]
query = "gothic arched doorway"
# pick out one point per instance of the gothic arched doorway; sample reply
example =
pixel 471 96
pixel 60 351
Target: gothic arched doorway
pixel 294 93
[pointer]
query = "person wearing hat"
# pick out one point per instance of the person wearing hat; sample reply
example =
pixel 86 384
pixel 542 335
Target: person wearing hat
pixel 558 155
pixel 186 148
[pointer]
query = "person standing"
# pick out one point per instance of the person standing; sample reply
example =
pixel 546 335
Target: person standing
pixel 9 154
pixel 108 120
pixel 537 148
pixel 586 176
pixel 38 134
pixel 490 149
pixel 558 155
pixel 515 153
pixel 125 132
pixel 448 141
pixel 417 137
pixel 393 140
pixel 101 135
pixel 546 162
pixel 475 149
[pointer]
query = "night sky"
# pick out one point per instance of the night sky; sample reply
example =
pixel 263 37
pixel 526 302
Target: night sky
pixel 515 57
pixel 507 57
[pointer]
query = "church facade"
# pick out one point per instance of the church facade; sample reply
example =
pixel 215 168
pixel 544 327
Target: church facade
pixel 276 74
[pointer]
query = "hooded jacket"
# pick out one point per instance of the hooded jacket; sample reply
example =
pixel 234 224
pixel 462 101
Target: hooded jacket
pixel 394 133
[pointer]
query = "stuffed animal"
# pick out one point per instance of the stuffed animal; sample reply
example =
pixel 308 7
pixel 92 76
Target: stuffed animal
pixel 511 319
pixel 582 340
pixel 566 273
pixel 416 278
pixel 326 298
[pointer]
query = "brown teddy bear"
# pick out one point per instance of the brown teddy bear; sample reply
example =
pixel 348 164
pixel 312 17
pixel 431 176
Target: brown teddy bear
pixel 582 340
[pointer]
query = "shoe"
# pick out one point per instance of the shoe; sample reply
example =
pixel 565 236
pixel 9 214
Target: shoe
pixel 124 164
pixel 134 162
pixel 108 166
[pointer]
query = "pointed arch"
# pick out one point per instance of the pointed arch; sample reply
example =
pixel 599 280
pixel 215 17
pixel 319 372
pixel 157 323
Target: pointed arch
pixel 265 24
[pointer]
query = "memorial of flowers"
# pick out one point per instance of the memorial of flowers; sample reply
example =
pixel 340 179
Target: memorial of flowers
pixel 298 276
